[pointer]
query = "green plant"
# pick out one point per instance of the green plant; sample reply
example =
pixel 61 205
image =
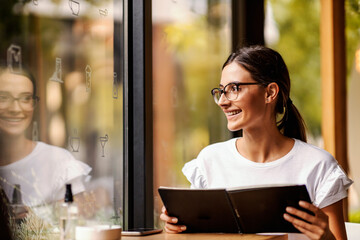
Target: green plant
pixel 33 228
pixel 354 216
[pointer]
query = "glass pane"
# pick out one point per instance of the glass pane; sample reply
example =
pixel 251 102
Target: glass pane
pixel 352 30
pixel 292 28
pixel 191 41
pixel 74 132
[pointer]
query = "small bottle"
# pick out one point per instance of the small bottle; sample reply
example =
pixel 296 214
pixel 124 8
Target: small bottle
pixel 17 206
pixel 68 216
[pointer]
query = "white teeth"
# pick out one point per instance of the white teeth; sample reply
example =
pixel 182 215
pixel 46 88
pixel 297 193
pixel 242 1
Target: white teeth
pixel 13 119
pixel 232 113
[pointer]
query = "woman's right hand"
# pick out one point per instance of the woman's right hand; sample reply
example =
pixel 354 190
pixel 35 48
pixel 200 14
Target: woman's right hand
pixel 170 222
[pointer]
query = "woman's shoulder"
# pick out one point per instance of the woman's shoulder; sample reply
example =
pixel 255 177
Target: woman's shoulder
pixel 61 159
pixel 218 147
pixel 313 153
pixel 43 148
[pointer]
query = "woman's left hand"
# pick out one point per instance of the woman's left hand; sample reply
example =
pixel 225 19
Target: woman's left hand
pixel 315 227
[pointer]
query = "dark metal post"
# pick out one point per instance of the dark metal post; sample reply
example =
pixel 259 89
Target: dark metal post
pixel 138 155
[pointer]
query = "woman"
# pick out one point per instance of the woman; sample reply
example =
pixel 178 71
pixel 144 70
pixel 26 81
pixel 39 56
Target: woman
pixel 254 95
pixel 40 169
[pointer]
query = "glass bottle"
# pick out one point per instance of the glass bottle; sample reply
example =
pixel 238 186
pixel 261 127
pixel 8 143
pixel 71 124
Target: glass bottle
pixel 68 216
pixel 17 206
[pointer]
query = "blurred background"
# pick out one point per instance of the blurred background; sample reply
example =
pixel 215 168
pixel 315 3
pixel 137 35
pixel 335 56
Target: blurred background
pixel 74 48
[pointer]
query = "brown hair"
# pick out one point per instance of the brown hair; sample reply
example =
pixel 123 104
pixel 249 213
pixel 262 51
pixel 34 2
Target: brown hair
pixel 266 66
pixel 20 71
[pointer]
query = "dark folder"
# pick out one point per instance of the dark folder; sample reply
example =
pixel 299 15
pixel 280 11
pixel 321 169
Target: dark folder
pixel 246 210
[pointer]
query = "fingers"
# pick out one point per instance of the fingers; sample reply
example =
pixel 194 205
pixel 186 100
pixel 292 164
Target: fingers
pixel 170 223
pixel 319 218
pixel 314 226
pixel 303 225
pixel 309 206
pixel 301 214
pixel 163 210
pixel 168 219
pixel 171 228
pixel 308 233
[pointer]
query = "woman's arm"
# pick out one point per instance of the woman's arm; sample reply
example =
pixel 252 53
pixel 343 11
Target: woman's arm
pixel 328 222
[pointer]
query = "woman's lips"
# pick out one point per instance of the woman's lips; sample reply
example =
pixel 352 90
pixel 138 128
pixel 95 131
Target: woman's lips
pixel 232 113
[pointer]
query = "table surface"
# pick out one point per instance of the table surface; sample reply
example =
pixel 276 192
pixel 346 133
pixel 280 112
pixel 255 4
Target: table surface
pixel 205 236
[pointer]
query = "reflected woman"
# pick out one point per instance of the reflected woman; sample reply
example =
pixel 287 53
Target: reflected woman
pixel 40 169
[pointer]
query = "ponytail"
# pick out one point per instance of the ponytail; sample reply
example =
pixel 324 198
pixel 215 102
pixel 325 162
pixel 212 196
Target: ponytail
pixel 292 124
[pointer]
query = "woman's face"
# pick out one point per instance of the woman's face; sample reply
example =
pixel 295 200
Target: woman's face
pixel 248 109
pixel 15 115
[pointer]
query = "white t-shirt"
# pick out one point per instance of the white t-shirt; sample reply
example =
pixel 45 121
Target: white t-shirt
pixel 220 165
pixel 42 175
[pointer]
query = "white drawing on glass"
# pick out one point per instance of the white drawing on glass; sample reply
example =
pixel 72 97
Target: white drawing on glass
pixel 56 77
pixel 36 2
pixel 88 78
pixel 14 58
pixel 103 12
pixel 103 141
pixel 115 87
pixel 74 142
pixel 35 131
pixel 75 7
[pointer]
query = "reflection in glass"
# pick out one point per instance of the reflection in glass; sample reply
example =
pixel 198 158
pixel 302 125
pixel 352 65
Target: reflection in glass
pixel 74 142
pixel 14 58
pixel 56 77
pixel 35 131
pixel 115 87
pixel 88 78
pixel 103 141
pixel 27 162
pixel 103 12
pixel 69 42
pixel 75 7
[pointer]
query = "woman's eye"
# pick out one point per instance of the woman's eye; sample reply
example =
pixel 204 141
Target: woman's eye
pixel 4 98
pixel 235 88
pixel 26 98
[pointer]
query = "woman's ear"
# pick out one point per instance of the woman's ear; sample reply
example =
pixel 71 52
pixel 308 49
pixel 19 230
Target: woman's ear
pixel 272 91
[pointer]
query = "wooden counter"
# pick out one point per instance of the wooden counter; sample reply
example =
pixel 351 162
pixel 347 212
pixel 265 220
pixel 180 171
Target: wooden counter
pixel 205 236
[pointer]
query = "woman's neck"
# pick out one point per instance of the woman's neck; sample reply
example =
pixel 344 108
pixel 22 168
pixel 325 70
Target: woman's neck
pixel 264 145
pixel 14 148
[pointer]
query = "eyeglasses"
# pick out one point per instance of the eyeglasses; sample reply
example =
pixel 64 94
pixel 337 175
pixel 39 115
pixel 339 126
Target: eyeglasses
pixel 26 101
pixel 231 90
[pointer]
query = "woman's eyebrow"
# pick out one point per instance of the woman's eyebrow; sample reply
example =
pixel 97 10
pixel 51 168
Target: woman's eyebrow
pixel 234 82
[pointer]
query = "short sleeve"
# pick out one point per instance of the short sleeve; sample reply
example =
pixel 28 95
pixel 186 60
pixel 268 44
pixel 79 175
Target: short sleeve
pixel 332 188
pixel 193 173
pixel 71 171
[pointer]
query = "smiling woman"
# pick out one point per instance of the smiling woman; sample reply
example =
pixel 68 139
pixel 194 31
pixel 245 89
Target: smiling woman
pixel 38 169
pixel 254 95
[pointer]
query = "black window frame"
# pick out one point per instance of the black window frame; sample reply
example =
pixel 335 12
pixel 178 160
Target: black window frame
pixel 138 137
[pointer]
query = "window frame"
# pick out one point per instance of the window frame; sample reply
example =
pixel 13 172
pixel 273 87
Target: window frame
pixel 138 137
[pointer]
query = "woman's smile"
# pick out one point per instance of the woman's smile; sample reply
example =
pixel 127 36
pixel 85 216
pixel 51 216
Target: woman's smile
pixel 232 113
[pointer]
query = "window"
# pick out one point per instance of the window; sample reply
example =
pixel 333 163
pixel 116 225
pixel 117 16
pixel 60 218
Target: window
pixel 74 51
pixel 191 41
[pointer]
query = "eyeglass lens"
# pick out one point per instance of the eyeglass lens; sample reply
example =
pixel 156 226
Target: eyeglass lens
pixel 230 90
pixel 27 101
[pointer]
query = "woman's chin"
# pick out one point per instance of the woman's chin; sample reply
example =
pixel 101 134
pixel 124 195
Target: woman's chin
pixel 233 128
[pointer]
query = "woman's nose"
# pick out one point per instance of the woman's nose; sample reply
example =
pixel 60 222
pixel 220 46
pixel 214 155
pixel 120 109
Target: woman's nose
pixel 223 100
pixel 14 106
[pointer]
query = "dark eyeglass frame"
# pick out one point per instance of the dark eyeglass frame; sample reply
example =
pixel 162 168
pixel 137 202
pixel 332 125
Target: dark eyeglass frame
pixel 237 84
pixel 35 100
